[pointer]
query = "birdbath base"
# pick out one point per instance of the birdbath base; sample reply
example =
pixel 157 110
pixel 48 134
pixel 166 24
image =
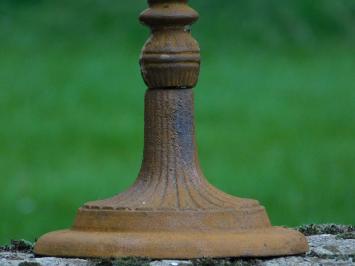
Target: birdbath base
pixel 171 211
pixel 267 242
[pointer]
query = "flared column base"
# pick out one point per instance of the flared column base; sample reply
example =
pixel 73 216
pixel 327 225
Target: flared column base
pixel 273 241
pixel 172 234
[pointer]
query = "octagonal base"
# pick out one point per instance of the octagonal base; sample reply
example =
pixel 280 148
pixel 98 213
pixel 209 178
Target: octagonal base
pixel 273 241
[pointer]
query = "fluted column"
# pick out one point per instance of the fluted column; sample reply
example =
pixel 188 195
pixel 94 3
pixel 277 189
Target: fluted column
pixel 170 176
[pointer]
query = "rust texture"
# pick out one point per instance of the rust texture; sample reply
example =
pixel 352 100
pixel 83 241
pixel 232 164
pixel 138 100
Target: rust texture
pixel 171 211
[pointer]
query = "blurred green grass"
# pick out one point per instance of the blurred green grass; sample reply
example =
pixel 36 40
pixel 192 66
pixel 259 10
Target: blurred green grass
pixel 275 107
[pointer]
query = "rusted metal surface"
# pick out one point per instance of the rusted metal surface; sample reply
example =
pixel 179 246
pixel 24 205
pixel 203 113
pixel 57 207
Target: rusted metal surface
pixel 171 211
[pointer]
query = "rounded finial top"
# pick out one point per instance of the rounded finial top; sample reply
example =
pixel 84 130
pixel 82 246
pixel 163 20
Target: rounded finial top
pixel 150 2
pixel 168 13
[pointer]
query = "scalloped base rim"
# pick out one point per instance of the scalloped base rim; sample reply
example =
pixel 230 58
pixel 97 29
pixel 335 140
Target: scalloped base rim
pixel 272 241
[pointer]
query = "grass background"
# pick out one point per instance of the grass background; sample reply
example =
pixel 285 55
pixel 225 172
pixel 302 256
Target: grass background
pixel 275 106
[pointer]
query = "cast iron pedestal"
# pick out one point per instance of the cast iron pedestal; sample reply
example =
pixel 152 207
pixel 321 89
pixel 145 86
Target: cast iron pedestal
pixel 171 211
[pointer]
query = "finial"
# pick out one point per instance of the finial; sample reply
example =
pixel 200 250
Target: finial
pixel 171 56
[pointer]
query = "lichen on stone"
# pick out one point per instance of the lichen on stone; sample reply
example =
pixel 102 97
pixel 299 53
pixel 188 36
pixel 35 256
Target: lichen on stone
pixel 126 261
pixel 331 229
pixel 226 261
pixel 348 235
pixel 19 245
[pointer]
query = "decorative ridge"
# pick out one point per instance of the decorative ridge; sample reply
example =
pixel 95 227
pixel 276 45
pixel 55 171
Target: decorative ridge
pixel 249 209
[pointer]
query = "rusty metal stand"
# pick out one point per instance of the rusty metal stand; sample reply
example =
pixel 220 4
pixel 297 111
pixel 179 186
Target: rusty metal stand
pixel 171 211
